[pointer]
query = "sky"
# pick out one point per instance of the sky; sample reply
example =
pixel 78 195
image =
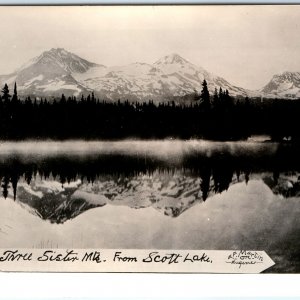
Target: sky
pixel 246 45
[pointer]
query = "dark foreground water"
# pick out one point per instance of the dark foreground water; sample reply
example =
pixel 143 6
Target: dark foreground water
pixel 164 195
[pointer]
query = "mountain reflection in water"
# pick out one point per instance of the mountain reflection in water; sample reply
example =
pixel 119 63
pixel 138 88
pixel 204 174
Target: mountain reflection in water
pixel 163 195
pixel 60 186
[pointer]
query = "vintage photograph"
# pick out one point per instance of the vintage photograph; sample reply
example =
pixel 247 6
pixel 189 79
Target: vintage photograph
pixel 151 127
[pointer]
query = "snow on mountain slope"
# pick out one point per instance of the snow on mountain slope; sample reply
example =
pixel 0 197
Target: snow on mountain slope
pixel 170 194
pixel 193 76
pixel 58 71
pixel 52 201
pixel 285 85
pixel 58 59
pixel 170 76
pixel 50 74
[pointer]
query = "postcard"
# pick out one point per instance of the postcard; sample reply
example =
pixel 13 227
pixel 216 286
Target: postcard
pixel 150 138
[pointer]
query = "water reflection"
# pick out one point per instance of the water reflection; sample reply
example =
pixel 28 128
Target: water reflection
pixel 63 185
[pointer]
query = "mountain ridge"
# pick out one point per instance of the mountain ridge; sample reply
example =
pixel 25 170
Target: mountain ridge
pixel 285 84
pixel 57 71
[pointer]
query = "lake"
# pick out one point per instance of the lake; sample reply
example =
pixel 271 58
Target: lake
pixel 153 194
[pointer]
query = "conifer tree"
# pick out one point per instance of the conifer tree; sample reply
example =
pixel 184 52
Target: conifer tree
pixel 216 98
pixel 220 94
pixel 63 99
pixel 204 96
pixel 5 91
pixel 15 94
pixel 227 100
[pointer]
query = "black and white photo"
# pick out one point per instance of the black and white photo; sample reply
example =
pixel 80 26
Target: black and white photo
pixel 154 128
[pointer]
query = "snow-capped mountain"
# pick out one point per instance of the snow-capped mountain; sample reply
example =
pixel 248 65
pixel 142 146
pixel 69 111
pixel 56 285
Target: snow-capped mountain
pixel 170 76
pixel 171 195
pixel 58 60
pixel 50 74
pixel 284 85
pixel 58 71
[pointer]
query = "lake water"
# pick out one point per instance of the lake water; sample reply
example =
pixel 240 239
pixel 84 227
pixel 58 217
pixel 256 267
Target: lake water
pixel 153 194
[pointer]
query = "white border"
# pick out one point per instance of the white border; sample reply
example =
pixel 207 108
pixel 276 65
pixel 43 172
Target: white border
pixel 137 2
pixel 146 286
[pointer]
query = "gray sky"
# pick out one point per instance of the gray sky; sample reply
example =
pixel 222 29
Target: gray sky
pixel 246 45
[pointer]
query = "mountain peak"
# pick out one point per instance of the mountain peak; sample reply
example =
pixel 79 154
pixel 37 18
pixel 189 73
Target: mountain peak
pixel 61 60
pixel 172 58
pixel 58 53
pixel 57 71
pixel 286 76
pixel 61 51
pixel 285 84
pixel 58 49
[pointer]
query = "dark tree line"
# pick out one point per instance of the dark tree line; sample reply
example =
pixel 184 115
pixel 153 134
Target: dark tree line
pixel 218 116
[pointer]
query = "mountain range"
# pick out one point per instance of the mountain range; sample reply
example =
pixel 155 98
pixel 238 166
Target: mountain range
pixel 58 71
pixel 170 195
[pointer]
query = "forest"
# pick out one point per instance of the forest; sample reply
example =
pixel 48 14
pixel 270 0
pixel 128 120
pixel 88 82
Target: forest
pixel 215 117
